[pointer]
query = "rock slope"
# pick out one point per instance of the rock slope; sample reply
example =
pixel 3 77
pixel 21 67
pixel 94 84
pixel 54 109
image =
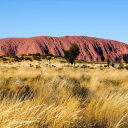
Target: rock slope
pixel 90 47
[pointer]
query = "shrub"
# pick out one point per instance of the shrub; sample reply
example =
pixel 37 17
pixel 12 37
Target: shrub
pixel 97 60
pixel 38 54
pixel 29 54
pixel 43 56
pixel 57 56
pixel 37 58
pixel 116 59
pixel 92 68
pixel 77 90
pixel 79 61
pixel 126 67
pixel 1 56
pixel 49 54
pixel 86 78
pixel 111 81
pixel 113 65
pixel 84 66
pixel 23 55
pixel 102 58
pixel 62 61
pixel 21 58
pixel 16 58
pixel 84 92
pixel 48 58
pixel 121 66
pixel 14 68
pixel 59 69
pixel 37 66
pixel 4 59
pixel 105 66
pixel 125 58
pixel 77 66
pixel 30 65
pixel 28 58
pixel 101 66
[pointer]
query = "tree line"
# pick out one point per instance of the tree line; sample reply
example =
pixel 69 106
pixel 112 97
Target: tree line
pixel 71 54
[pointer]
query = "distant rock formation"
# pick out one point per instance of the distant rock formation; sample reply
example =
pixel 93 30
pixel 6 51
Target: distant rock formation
pixel 90 47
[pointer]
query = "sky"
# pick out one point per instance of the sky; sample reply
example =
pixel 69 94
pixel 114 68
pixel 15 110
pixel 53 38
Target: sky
pixel 106 19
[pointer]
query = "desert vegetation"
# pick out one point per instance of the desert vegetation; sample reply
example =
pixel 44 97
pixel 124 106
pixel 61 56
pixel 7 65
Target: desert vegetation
pixel 48 93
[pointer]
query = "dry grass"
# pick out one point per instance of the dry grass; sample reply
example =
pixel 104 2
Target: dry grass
pixel 62 97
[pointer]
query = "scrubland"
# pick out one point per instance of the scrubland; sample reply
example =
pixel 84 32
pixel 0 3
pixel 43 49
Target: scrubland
pixel 49 94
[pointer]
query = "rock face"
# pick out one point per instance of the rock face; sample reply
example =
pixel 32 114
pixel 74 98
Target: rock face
pixel 90 47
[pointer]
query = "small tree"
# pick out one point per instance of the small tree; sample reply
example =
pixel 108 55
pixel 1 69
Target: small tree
pixel 49 58
pixel 107 59
pixel 72 53
pixel 125 58
pixel 102 58
pixel 66 55
pixel 116 59
pixel 97 59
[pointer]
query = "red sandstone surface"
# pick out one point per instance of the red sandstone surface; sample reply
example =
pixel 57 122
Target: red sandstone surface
pixel 90 47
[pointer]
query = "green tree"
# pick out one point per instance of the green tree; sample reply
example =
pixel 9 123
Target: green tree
pixel 116 59
pixel 108 60
pixel 72 53
pixel 66 55
pixel 125 58
pixel 102 58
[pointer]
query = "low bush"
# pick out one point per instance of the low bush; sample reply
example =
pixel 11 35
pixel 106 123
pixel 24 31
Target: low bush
pixel 62 61
pixel 105 66
pixel 92 68
pixel 29 54
pixel 86 78
pixel 5 59
pixel 79 61
pixel 38 54
pixel 113 65
pixel 84 66
pixel 126 67
pixel 28 58
pixel 111 81
pixel 121 66
pixel 37 66
pixel 49 54
pixel 53 66
pixel 77 90
pixel 59 69
pixel 48 58
pixel 30 65
pixel 43 56
pixel 37 58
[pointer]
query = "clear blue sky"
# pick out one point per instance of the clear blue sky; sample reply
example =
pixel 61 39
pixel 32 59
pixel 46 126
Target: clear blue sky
pixel 106 19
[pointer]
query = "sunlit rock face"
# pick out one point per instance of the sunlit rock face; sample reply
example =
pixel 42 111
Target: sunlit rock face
pixel 90 47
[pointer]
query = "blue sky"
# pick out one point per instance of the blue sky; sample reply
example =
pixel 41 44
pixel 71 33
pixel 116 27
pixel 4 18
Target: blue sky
pixel 106 19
